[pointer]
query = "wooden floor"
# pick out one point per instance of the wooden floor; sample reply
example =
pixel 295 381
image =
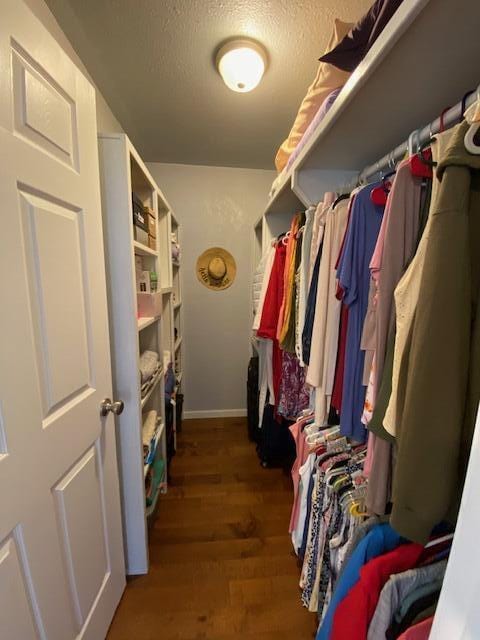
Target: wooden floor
pixel 222 566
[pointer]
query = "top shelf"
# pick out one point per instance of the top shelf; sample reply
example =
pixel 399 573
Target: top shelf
pixel 420 64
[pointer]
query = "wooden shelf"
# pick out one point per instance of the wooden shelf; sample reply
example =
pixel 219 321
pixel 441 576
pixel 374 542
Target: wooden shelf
pixel 166 290
pixel 146 322
pixel 155 381
pixel 177 305
pixel 158 435
pixel 178 342
pixel 143 250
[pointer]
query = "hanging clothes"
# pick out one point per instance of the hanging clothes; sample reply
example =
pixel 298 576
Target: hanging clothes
pixel 354 278
pixel 291 319
pixel 283 318
pixel 311 308
pixel 294 395
pixel 395 247
pixel 353 615
pixel 264 271
pixel 268 330
pixel 407 296
pixel 435 429
pixel 325 329
pixel 304 280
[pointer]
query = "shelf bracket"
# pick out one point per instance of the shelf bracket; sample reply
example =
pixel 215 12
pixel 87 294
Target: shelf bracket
pixel 310 185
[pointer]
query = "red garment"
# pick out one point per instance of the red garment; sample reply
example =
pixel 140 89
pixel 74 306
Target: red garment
pixel 273 296
pixel 355 612
pixel 420 631
pixel 337 390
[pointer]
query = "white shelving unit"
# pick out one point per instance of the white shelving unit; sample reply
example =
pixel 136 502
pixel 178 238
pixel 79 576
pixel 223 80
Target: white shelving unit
pixel 123 173
pixel 171 299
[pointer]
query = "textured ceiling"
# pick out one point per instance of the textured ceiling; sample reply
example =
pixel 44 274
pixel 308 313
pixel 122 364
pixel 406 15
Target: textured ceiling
pixel 153 62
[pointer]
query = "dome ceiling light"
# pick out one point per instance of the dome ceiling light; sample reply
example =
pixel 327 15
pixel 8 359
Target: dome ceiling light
pixel 241 63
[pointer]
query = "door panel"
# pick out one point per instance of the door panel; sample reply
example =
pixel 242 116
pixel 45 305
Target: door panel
pixel 44 113
pixel 57 297
pixel 83 532
pixel 16 616
pixel 61 541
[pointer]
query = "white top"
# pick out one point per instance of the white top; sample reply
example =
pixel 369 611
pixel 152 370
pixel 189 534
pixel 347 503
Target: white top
pixel 323 354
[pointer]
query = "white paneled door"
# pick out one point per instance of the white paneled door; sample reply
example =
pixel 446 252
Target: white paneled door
pixel 61 549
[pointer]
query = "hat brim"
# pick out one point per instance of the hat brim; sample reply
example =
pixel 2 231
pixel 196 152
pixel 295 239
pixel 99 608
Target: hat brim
pixel 204 276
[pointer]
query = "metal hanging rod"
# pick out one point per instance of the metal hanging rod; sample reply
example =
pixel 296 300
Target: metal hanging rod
pixel 445 121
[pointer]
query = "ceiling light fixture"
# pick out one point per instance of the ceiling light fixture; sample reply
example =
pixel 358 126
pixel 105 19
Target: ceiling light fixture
pixel 241 63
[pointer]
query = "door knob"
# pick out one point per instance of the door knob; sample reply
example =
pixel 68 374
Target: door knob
pixel 115 407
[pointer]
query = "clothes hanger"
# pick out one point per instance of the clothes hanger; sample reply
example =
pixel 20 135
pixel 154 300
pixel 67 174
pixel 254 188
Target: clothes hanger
pixel 321 436
pixel 379 195
pixel 470 137
pixel 343 196
pixel 445 538
pixel 420 158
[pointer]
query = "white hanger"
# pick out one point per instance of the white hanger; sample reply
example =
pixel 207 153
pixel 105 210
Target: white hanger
pixel 411 150
pixel 469 139
pixel 445 538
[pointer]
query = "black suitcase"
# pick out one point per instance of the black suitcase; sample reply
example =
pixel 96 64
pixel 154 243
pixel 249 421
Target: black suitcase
pixel 276 446
pixel 252 399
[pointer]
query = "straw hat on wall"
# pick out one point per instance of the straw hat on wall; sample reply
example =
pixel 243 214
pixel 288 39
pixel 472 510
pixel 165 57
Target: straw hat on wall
pixel 216 269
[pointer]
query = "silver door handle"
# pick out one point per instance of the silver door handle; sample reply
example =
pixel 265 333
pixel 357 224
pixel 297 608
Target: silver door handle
pixel 115 407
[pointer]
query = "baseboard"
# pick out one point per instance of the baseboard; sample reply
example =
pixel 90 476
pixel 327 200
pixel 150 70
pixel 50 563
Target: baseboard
pixel 214 413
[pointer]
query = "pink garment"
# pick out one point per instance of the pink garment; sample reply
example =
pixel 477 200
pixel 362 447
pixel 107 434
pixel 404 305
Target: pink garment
pixel 299 436
pixel 377 256
pixel 397 237
pixel 420 631
pixel 367 464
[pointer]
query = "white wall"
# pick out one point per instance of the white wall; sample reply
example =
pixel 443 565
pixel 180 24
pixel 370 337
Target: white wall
pixel 216 206
pixel 106 120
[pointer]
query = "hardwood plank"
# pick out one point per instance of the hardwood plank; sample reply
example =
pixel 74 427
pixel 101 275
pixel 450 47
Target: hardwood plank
pixel 222 565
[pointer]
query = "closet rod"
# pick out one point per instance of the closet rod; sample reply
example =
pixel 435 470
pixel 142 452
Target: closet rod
pixel 449 118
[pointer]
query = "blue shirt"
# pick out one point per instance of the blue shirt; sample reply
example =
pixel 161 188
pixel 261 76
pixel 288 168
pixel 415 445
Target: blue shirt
pixel 354 276
pixel 379 540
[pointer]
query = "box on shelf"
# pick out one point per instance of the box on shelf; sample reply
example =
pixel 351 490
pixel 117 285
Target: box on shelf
pixel 144 282
pixel 152 242
pixel 140 224
pixel 149 305
pixel 152 222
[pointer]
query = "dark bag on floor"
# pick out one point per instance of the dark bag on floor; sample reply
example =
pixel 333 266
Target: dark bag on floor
pixel 252 399
pixel 276 447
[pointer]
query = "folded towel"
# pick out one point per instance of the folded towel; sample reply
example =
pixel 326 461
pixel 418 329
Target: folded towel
pixel 148 364
pixel 148 430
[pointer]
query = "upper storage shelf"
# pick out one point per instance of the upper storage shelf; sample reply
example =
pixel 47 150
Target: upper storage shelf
pixel 285 200
pixel 424 61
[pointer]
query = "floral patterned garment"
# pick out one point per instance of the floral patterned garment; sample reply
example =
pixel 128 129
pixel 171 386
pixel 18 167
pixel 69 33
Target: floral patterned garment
pixel 294 393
